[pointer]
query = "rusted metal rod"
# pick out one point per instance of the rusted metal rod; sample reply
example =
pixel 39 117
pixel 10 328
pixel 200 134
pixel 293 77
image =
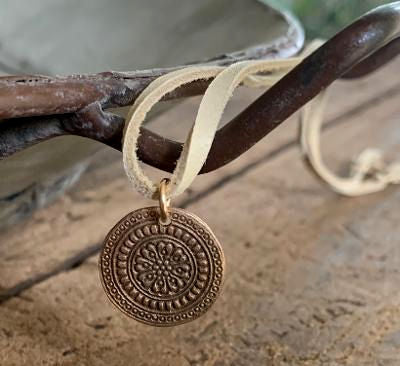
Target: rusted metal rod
pixel 35 108
pixel 359 49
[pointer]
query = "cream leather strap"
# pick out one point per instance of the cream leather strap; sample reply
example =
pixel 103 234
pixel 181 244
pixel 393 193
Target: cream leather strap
pixel 147 99
pixel 201 136
pixel 368 174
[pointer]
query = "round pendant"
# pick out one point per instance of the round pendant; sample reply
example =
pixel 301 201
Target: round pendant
pixel 158 274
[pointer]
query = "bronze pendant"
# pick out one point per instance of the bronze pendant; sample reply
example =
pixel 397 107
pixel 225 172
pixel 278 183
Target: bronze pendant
pixel 162 274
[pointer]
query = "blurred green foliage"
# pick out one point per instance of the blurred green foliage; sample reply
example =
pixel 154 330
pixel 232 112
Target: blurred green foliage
pixel 324 18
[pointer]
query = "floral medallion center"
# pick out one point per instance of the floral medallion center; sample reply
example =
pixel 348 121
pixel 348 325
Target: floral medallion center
pixel 162 267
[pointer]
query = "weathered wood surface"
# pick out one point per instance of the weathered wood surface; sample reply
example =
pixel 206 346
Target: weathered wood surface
pixel 313 278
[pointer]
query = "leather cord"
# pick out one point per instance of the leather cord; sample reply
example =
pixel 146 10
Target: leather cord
pixel 212 106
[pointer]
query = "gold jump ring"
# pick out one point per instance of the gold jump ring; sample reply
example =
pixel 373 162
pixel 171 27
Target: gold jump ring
pixel 164 202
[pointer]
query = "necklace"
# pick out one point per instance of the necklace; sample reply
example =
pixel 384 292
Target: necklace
pixel 160 265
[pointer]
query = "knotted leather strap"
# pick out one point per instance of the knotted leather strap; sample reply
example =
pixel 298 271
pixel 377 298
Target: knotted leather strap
pixel 369 173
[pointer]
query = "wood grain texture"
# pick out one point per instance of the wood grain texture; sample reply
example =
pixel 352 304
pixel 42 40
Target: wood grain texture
pixel 312 278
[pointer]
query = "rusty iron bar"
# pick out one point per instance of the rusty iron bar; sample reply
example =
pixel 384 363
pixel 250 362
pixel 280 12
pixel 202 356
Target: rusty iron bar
pixel 359 49
pixel 34 108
